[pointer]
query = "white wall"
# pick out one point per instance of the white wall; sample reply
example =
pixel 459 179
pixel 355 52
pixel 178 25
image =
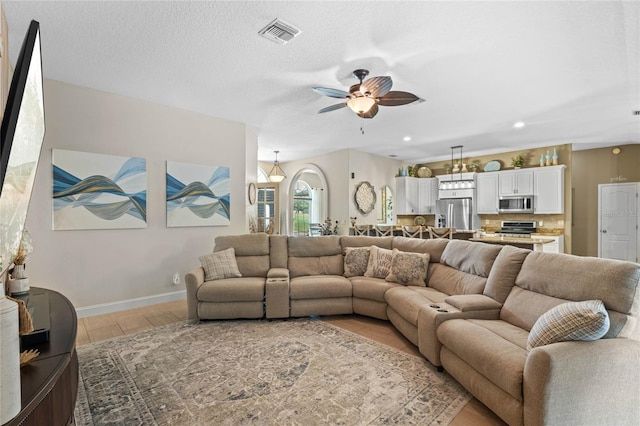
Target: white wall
pixel 337 167
pixel 102 266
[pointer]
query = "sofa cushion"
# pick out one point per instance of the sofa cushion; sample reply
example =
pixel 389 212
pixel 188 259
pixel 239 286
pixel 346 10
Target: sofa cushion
pixel 502 276
pixel 451 281
pixel 315 256
pixel 379 264
pixel 220 264
pixel 407 301
pixel 356 260
pixel 433 248
pixel 319 287
pixel 586 320
pixel 252 252
pixel 494 348
pixel 245 289
pixel 365 241
pixel 576 278
pixel 470 257
pixel 409 268
pixel 371 288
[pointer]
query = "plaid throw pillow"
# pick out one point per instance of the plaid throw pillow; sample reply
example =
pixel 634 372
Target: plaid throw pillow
pixel 220 264
pixel 586 320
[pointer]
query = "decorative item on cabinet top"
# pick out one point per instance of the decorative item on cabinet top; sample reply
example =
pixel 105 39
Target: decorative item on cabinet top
pixel 424 172
pixel 492 166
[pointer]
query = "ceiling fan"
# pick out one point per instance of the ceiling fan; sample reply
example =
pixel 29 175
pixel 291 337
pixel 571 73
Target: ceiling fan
pixel 363 98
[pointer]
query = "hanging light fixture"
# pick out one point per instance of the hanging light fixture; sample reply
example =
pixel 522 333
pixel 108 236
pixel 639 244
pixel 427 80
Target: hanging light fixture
pixel 360 104
pixel 276 174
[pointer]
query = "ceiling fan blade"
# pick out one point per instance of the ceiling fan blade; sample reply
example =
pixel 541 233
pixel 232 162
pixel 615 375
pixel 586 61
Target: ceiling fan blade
pixel 332 93
pixel 332 108
pixel 377 86
pixel 396 98
pixel 371 113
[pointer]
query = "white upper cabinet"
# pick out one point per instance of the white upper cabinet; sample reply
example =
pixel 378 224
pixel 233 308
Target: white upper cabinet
pixel 406 200
pixel 549 190
pixel 515 182
pixel 427 195
pixel 487 192
pixel 415 195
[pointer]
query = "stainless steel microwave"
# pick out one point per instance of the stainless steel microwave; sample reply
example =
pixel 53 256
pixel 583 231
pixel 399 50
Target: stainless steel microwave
pixel 516 204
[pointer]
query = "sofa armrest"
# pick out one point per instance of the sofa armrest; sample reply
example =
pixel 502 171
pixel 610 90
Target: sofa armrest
pixel 473 302
pixel 594 382
pixel 277 293
pixel 193 280
pixel 462 306
pixel 278 273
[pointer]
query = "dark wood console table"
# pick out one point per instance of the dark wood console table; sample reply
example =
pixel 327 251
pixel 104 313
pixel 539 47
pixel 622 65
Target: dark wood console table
pixel 49 384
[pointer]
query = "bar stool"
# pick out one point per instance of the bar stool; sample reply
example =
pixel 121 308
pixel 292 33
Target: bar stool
pixel 361 230
pixel 384 231
pixel 412 231
pixel 440 232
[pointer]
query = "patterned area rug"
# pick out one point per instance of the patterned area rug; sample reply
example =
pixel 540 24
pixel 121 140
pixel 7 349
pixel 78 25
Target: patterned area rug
pixel 301 371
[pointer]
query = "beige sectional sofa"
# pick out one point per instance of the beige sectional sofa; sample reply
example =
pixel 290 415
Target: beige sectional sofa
pixel 477 314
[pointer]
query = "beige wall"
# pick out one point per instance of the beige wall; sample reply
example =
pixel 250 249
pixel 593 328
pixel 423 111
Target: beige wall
pixel 102 266
pixel 590 168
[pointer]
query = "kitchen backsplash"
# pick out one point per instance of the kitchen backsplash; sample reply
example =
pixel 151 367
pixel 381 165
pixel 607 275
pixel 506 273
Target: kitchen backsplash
pixel 551 223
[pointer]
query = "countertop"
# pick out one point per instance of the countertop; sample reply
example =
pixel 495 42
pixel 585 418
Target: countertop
pixel 512 240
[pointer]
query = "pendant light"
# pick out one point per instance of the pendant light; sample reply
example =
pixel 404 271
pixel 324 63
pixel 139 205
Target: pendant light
pixel 276 174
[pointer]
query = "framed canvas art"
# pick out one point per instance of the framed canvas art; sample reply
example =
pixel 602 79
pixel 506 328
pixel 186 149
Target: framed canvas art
pixel 197 195
pixel 98 191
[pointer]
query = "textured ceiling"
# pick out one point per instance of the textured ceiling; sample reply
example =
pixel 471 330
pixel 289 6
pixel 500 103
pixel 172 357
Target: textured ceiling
pixel 568 69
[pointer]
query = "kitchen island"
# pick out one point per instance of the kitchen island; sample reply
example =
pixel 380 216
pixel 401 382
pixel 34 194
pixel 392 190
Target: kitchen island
pixel 522 242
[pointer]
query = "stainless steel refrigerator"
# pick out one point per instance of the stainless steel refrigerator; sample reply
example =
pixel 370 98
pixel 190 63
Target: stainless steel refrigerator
pixel 455 213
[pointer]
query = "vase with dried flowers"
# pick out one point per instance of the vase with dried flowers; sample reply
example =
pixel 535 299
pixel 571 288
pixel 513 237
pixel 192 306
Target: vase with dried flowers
pixel 19 282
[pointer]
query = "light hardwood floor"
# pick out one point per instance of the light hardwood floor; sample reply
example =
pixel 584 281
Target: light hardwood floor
pixel 101 327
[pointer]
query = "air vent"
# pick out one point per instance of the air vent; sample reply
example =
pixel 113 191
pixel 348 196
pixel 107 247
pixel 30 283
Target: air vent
pixel 279 32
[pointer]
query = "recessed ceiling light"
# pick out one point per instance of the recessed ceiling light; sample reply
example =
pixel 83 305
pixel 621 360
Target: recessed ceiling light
pixel 406 138
pixel 518 124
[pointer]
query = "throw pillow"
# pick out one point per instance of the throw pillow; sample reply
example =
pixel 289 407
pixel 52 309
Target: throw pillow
pixel 409 268
pixel 356 260
pixel 586 320
pixel 220 264
pixel 379 263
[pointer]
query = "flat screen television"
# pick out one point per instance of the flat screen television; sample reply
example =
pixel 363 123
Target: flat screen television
pixel 21 137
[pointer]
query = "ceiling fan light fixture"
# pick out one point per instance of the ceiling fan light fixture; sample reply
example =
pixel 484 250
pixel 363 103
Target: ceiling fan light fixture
pixel 276 174
pixel 360 104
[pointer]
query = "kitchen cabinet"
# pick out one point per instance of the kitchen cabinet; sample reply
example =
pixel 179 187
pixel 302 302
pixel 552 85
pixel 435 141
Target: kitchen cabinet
pixel 427 195
pixel 487 193
pixel 515 182
pixel 406 200
pixel 415 195
pixel 548 195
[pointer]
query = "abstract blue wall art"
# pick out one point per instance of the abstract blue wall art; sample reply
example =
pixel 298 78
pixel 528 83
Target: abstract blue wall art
pixel 98 191
pixel 197 195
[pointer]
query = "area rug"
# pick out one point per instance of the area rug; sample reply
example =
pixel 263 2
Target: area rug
pixel 298 372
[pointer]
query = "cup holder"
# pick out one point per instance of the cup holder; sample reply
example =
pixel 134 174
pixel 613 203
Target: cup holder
pixel 435 306
pixel 442 310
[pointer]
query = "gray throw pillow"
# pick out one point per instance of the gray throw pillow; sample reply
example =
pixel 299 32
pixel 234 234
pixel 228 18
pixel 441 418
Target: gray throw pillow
pixel 586 320
pixel 220 264
pixel 409 268
pixel 356 260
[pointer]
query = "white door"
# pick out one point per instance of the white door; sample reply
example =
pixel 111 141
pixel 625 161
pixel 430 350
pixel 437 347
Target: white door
pixel 618 221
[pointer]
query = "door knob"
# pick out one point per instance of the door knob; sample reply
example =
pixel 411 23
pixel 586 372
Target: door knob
pixel 604 231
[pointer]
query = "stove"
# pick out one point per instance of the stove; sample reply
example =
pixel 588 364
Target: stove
pixel 516 229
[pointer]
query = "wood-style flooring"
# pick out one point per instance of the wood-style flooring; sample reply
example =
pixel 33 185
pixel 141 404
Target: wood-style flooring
pixel 101 327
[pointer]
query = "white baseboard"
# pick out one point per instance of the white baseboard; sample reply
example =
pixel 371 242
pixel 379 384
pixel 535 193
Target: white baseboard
pixel 139 302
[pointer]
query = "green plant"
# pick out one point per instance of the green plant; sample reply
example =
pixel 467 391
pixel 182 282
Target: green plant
pixel 517 161
pixel 475 165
